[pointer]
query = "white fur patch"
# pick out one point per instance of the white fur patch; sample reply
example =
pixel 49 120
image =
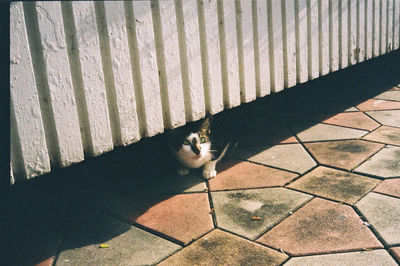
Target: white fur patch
pixel 188 158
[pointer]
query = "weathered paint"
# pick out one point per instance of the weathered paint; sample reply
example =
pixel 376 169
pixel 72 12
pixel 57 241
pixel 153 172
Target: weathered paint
pixel 87 76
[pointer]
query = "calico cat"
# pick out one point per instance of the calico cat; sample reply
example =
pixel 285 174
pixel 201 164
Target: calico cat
pixel 193 149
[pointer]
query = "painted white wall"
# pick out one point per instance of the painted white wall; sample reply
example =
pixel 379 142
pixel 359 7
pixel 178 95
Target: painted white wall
pixel 88 76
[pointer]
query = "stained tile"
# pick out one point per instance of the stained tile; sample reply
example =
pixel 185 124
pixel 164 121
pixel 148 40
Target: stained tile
pixel 82 244
pixel 234 210
pixel 387 118
pixel 354 120
pixel 291 157
pixel 389 95
pixel 396 252
pixel 384 134
pixel 220 248
pixel 374 257
pixel 383 212
pixel 345 154
pixel 374 104
pixel 385 163
pixel 390 187
pixel 334 184
pixel 183 217
pixel 318 132
pixel 235 174
pixel 321 226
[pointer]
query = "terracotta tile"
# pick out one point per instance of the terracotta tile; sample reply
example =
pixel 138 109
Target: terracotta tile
pixel 383 213
pixel 317 132
pixel 127 245
pixel 354 119
pixel 385 163
pixel 235 174
pixel 220 248
pixel 184 217
pixel 384 134
pixel 393 95
pixel 291 157
pixel 390 187
pixel 334 184
pixel 396 252
pixel 373 104
pixel 373 257
pixel 234 210
pixel 387 118
pixel 345 154
pixel 321 226
pixel 395 88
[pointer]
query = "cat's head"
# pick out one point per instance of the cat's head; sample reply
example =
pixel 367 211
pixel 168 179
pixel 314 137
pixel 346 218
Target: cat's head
pixel 194 142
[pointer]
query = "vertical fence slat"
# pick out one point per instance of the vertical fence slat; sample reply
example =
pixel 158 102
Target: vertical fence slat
pixel 229 54
pixel 334 35
pixel 368 27
pixel 122 72
pixel 389 26
pixel 212 58
pixel 344 33
pixel 323 20
pixel 361 30
pixel 290 40
pixel 246 51
pixel 172 71
pixel 301 41
pixel 353 51
pixel 191 58
pixel 263 48
pixel 376 27
pixel 313 42
pixel 57 70
pixel 383 24
pixel 147 69
pixel 92 76
pixel 276 44
pixel 25 106
pixel 396 25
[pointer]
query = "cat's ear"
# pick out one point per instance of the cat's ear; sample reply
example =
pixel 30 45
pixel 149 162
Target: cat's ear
pixel 206 124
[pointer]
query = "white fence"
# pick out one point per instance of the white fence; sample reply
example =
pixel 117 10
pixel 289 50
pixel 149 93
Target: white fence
pixel 88 76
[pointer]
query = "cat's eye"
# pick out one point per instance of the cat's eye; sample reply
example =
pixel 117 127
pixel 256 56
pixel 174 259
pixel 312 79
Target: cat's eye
pixel 202 139
pixel 186 142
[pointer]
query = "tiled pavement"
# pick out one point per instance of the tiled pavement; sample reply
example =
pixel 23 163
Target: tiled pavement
pixel 319 184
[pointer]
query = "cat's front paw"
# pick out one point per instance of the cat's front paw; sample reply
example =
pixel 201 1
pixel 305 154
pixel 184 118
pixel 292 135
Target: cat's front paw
pixel 183 171
pixel 207 174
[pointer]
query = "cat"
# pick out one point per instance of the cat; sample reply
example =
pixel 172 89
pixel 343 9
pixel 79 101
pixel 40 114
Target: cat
pixel 193 149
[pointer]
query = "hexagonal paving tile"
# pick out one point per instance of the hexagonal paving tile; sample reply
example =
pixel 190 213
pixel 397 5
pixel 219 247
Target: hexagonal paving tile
pixel 220 248
pixel 345 154
pixel 396 252
pixel 383 212
pixel 389 95
pixel 81 246
pixel 387 118
pixel 334 184
pixel 234 174
pixel 290 157
pixel 234 210
pixel 184 217
pixel 321 226
pixel 317 132
pixel 373 257
pixel 385 163
pixel 384 134
pixel 390 187
pixel 354 119
pixel 373 104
